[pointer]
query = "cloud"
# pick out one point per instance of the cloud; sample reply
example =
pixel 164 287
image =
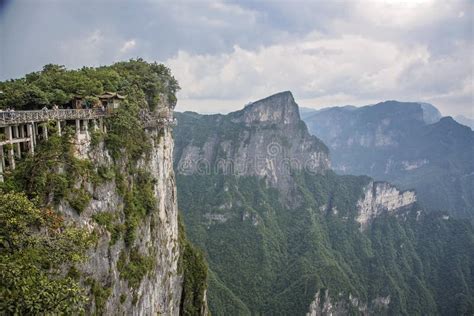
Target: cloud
pixel 228 52
pixel 322 70
pixel 127 46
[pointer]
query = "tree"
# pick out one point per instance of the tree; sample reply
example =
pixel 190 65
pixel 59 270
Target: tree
pixel 36 246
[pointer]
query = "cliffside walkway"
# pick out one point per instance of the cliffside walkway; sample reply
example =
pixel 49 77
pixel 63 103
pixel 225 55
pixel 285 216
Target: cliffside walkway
pixel 20 131
pixel 25 117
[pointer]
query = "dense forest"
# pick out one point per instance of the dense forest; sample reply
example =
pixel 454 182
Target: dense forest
pixel 270 258
pixel 265 258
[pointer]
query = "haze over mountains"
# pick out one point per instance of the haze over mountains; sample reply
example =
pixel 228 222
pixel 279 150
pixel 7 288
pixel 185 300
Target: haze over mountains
pixel 292 237
pixel 408 144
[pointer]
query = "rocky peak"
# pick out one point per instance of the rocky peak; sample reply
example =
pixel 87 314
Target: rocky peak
pixel 279 108
pixel 266 139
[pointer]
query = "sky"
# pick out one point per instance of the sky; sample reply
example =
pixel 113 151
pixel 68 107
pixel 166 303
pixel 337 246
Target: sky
pixel 226 54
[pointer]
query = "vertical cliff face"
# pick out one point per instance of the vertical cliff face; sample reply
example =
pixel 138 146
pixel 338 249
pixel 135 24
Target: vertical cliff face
pixel 323 305
pixel 109 190
pixel 303 242
pixel 381 197
pixel 158 291
pixel 266 139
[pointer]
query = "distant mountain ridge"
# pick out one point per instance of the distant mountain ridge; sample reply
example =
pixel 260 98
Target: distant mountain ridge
pixel 469 122
pixel 405 143
pixel 285 239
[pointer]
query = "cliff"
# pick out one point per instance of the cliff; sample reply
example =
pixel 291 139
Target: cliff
pixel 159 289
pixel 114 188
pixel 407 144
pixel 297 240
pixel 381 197
pixel 266 139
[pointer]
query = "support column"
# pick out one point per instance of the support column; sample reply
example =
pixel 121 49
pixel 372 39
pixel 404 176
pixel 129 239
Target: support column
pixel 1 172
pixel 78 126
pixel 2 163
pixel 16 134
pixel 32 137
pixel 94 123
pixel 33 133
pixel 37 133
pixel 45 131
pixel 58 124
pixel 86 126
pixel 22 135
pixel 11 154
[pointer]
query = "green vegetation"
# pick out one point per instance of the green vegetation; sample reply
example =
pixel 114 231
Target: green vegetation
pixel 57 85
pixel 104 219
pixel 390 141
pixel 194 269
pixel 100 294
pixel 134 268
pixel 52 173
pixel 79 199
pixel 35 244
pixel 268 258
pixel 36 247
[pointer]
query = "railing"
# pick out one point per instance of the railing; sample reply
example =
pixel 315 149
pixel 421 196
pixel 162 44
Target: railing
pixel 149 119
pixel 12 117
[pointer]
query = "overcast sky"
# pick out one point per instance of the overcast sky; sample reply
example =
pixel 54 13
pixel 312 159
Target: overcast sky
pixel 228 53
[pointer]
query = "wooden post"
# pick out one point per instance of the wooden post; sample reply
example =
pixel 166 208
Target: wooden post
pixel 58 124
pixel 11 154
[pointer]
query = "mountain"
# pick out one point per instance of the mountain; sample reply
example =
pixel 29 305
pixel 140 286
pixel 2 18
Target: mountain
pixel 89 220
pixel 469 122
pixel 406 144
pixel 285 235
pixel 430 113
pixel 241 142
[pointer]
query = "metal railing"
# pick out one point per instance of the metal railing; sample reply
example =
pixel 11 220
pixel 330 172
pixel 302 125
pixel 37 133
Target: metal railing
pixel 20 117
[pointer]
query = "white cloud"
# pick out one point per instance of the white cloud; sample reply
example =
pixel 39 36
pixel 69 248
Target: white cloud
pixel 127 46
pixel 321 70
pixel 228 52
pixel 82 50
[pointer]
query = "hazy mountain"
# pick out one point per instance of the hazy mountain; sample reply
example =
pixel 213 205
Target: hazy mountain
pixel 430 113
pixel 394 141
pixel 465 121
pixel 285 235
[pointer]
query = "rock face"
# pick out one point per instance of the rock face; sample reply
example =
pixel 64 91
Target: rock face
pixel 267 139
pixel 381 197
pixel 304 242
pixel 407 144
pixel 159 291
pixel 323 305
